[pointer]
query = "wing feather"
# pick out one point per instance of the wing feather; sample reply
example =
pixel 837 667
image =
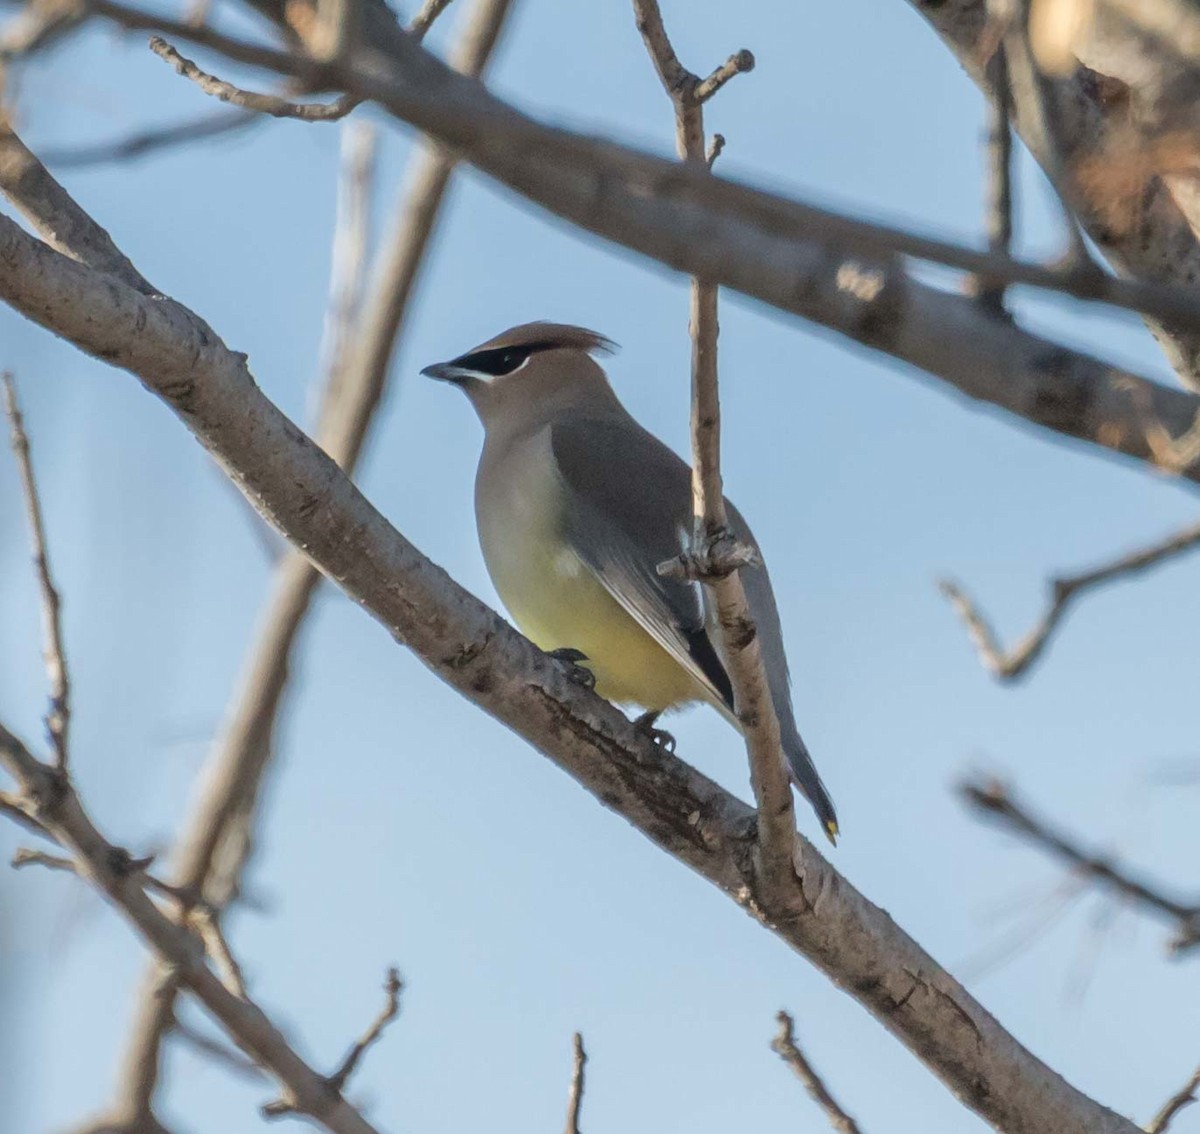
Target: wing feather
pixel 629 509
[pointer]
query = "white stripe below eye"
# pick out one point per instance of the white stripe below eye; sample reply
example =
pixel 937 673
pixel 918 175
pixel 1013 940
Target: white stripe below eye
pixel 479 375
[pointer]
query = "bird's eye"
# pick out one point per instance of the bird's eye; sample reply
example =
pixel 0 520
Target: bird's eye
pixel 498 361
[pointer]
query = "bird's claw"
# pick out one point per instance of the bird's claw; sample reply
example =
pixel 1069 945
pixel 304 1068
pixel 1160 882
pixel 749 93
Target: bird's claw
pixel 571 658
pixel 645 725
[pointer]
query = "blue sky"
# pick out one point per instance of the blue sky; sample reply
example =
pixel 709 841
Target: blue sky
pixel 403 824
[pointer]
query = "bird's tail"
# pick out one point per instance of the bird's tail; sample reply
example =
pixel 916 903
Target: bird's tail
pixel 804 775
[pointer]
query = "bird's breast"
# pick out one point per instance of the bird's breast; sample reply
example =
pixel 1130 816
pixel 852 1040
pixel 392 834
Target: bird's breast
pixel 552 595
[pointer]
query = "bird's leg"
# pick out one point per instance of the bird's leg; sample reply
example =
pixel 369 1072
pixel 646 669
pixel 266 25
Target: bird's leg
pixel 645 725
pixel 571 658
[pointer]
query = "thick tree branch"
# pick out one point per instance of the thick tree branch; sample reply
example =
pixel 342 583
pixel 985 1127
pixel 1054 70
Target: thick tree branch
pixel 710 524
pixel 784 1045
pixel 58 718
pixel 753 243
pixel 1009 665
pixel 561 172
pixel 996 801
pixel 1086 152
pixel 303 493
pixel 55 216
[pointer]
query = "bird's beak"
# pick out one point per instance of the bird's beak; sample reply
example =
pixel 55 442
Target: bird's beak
pixel 446 372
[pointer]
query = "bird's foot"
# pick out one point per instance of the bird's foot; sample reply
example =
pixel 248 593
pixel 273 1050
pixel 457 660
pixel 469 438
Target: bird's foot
pixel 645 725
pixel 571 658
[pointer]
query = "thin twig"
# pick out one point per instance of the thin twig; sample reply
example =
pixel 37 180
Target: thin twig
pixel 752 695
pixel 1044 133
pixel 336 1082
pixel 424 19
pixel 207 923
pixel 1185 1096
pixel 575 1093
pixel 154 141
pixel 11 806
pixel 347 275
pixel 58 718
pixel 51 797
pixel 999 152
pixel 784 1045
pixel 218 1052
pixel 1012 664
pixel 716 146
pixel 737 64
pixel 273 105
pixel 995 800
pixel 24 856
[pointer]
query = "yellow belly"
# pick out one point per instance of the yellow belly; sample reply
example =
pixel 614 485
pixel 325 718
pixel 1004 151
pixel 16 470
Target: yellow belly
pixel 557 602
pixel 557 606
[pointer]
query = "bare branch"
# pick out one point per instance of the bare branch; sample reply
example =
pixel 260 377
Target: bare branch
pixel 337 1081
pixel 11 806
pixel 994 799
pixel 424 19
pixel 560 171
pixel 780 252
pixel 58 719
pixel 273 105
pixel 710 524
pixel 218 835
pixel 51 798
pixel 207 924
pixel 36 25
pixel 1085 136
pixel 716 146
pixel 153 141
pixel 351 238
pixel 575 1094
pixel 218 1052
pixel 56 217
pixel 784 1045
pixel 1185 1096
pixel 23 857
pixel 1010 665
pixel 999 196
pixel 392 988
pixel 737 64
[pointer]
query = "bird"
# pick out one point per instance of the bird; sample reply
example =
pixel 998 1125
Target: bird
pixel 576 505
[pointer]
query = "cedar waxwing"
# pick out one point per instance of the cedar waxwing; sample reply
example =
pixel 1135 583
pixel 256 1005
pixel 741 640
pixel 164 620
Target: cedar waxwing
pixel 576 506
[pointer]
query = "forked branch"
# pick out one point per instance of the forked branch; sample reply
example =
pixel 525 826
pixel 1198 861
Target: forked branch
pixel 1009 665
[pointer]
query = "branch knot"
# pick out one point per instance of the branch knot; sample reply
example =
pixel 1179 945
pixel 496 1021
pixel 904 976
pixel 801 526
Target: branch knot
pixel 718 556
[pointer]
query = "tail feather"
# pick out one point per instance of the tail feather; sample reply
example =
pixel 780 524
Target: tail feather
pixel 804 775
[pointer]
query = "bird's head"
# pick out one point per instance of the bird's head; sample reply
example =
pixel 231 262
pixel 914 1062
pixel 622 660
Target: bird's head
pixel 528 370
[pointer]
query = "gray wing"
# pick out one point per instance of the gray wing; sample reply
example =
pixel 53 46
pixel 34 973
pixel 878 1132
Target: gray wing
pixel 629 509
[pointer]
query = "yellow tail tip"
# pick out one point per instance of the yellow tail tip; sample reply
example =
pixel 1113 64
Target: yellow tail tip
pixel 831 831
